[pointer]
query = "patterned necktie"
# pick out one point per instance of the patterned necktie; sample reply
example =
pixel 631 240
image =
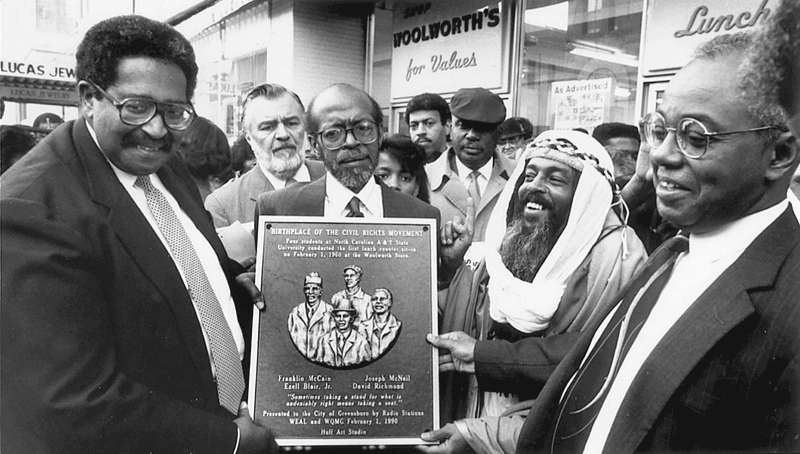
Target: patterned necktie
pixel 587 392
pixel 354 207
pixel 224 354
pixel 473 189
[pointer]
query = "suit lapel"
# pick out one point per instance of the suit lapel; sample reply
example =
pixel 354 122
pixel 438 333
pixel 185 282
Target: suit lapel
pixel 257 184
pixel 500 174
pixel 311 198
pixel 723 306
pixel 141 243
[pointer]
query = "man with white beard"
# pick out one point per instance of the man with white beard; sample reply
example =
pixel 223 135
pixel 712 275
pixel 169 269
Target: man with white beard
pixel 556 251
pixel 274 126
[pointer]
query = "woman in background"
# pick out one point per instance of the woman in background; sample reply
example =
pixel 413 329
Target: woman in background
pixel 206 152
pixel 401 166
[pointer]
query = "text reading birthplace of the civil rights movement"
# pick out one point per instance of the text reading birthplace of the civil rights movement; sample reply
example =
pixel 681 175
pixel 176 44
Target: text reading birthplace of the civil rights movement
pixel 340 356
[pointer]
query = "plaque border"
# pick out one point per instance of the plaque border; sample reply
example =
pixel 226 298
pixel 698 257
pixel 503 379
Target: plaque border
pixel 434 328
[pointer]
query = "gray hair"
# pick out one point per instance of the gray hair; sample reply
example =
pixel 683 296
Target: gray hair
pixel 764 110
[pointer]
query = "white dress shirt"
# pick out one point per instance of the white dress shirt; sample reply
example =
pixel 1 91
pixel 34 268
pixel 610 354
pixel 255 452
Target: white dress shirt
pixel 483 178
pixel 201 246
pixel 709 255
pixel 301 176
pixel 337 196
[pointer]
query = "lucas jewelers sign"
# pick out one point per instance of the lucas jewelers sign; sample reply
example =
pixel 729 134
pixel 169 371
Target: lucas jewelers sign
pixel 339 354
pixel 441 46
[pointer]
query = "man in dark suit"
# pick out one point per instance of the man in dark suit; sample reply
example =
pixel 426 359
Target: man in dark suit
pixel 120 306
pixel 345 127
pixel 705 357
pixel 274 126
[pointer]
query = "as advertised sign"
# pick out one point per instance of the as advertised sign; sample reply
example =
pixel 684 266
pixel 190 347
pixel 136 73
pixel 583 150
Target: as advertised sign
pixel 339 354
pixel 674 28
pixel 580 103
pixel 441 46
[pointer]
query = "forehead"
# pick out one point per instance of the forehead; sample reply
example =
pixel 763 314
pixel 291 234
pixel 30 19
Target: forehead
pixel 380 294
pixel 311 285
pixel 337 106
pixel 422 115
pixel 540 164
pixel 282 106
pixel 623 143
pixel 388 160
pixel 145 77
pixel 707 90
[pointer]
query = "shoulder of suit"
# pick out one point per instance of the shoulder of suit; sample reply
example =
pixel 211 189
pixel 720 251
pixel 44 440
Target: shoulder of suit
pixel 316 169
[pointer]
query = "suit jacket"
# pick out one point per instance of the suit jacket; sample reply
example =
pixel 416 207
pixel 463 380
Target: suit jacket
pixel 102 350
pixel 725 377
pixel 236 200
pixel 306 332
pixel 449 195
pixel 308 199
pixel 355 350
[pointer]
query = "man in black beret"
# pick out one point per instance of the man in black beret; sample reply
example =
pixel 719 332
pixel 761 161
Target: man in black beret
pixel 471 167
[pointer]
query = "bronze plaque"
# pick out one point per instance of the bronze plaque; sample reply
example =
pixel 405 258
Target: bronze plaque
pixel 339 355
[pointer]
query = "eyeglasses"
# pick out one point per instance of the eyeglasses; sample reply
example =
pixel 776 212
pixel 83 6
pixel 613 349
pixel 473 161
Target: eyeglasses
pixel 138 111
pixel 333 138
pixel 691 135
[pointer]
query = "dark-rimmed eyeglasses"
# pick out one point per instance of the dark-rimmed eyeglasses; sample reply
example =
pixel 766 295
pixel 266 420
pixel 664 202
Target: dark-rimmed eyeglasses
pixel 333 138
pixel 691 135
pixel 139 111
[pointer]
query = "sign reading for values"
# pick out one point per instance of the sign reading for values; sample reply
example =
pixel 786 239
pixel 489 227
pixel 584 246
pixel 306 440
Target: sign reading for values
pixel 339 354
pixel 580 103
pixel 442 46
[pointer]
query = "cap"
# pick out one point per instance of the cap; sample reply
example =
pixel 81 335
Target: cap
pixel 343 304
pixel 515 127
pixel 313 278
pixel 478 104
pixel 355 268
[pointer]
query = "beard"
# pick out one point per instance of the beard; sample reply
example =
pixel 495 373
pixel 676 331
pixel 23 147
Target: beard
pixel 283 163
pixel 352 178
pixel 525 248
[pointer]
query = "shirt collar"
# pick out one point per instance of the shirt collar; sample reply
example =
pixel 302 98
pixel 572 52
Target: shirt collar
pixel 437 170
pixel 464 171
pixel 735 236
pixel 338 195
pixel 301 175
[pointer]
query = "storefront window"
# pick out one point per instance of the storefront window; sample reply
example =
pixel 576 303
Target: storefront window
pixel 580 62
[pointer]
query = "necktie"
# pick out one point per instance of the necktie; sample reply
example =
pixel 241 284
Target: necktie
pixel 585 396
pixel 230 378
pixel 473 189
pixel 290 181
pixel 354 207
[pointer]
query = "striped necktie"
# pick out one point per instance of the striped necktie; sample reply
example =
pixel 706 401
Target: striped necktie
pixel 587 392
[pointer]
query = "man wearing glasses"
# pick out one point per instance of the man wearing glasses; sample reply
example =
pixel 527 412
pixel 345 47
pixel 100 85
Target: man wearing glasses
pixel 703 351
pixel 121 311
pixel 345 127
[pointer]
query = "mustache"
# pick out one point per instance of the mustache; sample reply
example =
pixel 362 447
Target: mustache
pixel 534 197
pixel 137 137
pixel 351 155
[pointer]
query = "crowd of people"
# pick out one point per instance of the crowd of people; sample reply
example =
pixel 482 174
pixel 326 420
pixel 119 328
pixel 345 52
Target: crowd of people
pixel 629 290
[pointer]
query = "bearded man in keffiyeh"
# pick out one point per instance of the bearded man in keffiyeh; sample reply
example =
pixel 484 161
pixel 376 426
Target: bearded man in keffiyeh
pixel 556 251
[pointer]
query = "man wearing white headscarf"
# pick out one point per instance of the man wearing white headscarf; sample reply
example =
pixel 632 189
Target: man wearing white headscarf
pixel 555 252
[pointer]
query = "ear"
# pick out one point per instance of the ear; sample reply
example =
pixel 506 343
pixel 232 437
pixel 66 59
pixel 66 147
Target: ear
pixel 447 125
pixel 88 97
pixel 784 157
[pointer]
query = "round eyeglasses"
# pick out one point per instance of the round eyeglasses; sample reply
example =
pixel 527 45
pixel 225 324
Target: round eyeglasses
pixel 333 138
pixel 691 135
pixel 138 111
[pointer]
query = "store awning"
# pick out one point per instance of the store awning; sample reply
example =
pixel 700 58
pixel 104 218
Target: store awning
pixel 40 91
